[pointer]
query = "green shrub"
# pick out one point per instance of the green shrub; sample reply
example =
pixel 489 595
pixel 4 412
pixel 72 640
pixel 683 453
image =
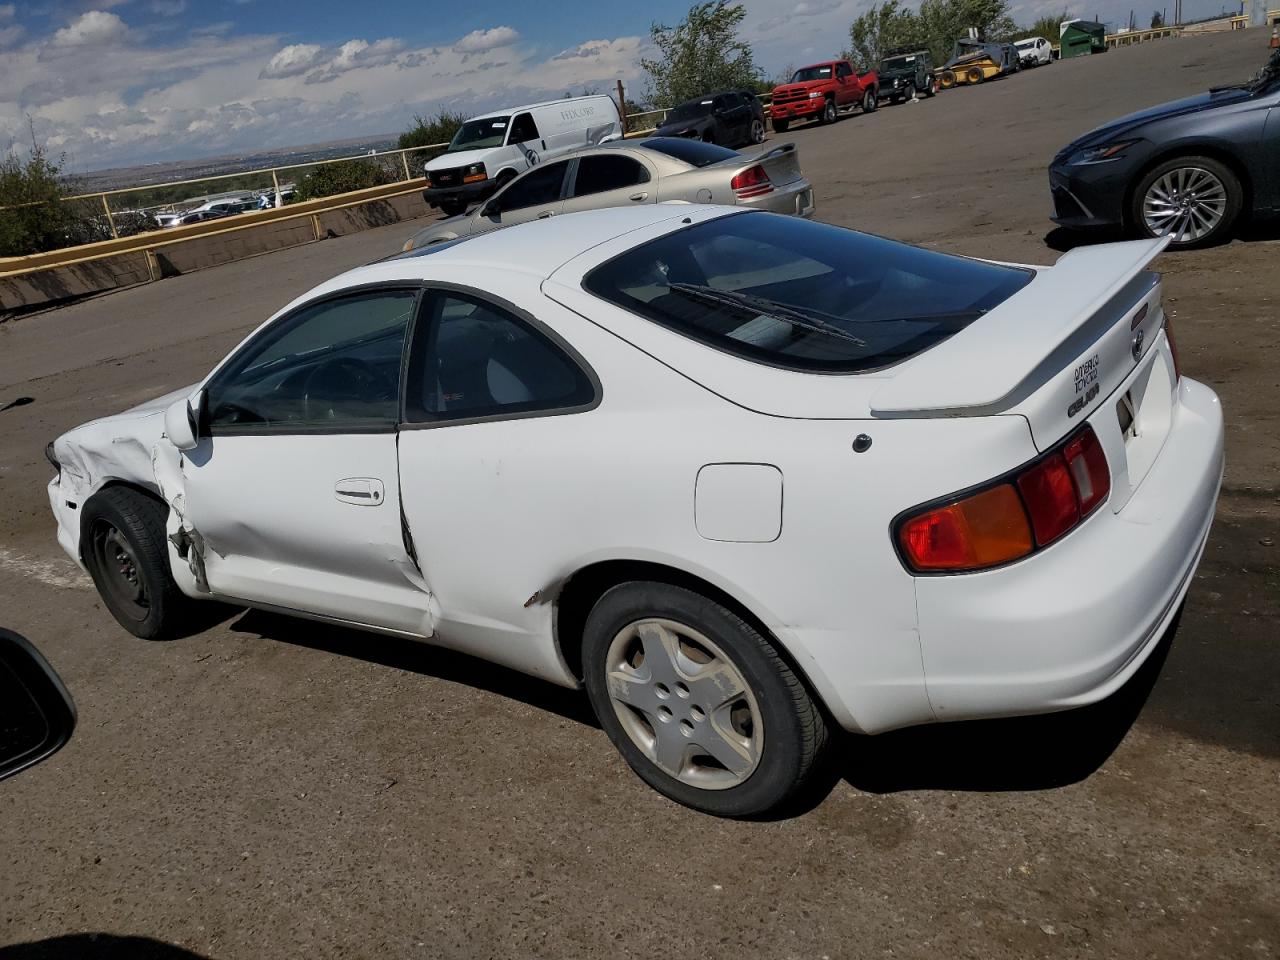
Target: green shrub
pixel 424 132
pixel 344 177
pixel 34 218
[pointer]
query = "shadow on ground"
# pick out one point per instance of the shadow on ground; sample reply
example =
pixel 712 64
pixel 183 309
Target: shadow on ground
pixel 422 658
pixel 1064 240
pixel 96 946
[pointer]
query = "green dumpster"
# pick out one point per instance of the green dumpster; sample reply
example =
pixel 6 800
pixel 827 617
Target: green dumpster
pixel 1080 37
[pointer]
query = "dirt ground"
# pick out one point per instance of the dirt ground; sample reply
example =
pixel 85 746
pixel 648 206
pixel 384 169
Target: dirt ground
pixel 269 788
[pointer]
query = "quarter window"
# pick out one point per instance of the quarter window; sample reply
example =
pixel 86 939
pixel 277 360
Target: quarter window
pixel 334 365
pixel 482 360
pixel 602 172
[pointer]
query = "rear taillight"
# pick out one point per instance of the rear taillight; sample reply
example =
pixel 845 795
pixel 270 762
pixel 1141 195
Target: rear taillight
pixel 751 182
pixel 1173 348
pixel 1013 516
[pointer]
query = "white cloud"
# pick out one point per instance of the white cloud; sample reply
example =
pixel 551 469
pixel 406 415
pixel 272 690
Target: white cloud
pixel 479 41
pixel 291 60
pixel 89 29
pixel 168 8
pixel 6 11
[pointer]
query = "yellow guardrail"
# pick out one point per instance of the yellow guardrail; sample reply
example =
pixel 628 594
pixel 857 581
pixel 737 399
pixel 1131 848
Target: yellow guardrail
pixel 103 195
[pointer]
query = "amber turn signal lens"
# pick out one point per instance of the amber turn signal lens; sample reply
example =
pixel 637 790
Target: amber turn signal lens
pixel 984 530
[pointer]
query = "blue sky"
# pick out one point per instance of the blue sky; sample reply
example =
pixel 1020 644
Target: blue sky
pixel 115 82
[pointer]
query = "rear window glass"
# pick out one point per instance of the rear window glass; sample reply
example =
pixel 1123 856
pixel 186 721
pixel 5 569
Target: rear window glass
pixel 696 153
pixel 808 296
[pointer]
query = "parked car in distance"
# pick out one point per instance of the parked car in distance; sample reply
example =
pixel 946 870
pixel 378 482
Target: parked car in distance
pixel 905 73
pixel 490 150
pixel 730 119
pixel 821 92
pixel 974 61
pixel 1189 169
pixel 636 172
pixel 563 448
pixel 1034 51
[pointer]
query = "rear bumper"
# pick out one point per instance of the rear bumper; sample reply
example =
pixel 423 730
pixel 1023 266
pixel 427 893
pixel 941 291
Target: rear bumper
pixel 795 199
pixel 1070 625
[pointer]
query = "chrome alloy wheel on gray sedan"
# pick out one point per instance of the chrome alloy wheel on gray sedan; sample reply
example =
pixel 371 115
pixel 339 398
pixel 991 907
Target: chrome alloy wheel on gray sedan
pixel 684 704
pixel 1187 202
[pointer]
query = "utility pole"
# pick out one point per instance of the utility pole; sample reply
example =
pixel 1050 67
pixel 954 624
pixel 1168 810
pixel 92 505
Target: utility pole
pixel 622 107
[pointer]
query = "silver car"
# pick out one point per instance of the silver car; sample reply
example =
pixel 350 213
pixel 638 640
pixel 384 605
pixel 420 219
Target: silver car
pixel 629 172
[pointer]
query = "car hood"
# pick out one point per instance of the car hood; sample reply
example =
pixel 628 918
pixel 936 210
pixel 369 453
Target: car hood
pixel 462 158
pixel 795 89
pixel 1176 108
pixel 116 447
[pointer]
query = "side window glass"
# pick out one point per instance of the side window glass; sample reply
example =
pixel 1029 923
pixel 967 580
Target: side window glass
pixel 482 360
pixel 335 365
pixel 540 185
pixel 843 70
pixel 599 173
pixel 523 129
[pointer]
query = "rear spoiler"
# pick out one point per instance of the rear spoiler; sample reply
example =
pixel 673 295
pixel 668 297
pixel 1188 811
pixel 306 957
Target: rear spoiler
pixel 989 359
pixel 764 155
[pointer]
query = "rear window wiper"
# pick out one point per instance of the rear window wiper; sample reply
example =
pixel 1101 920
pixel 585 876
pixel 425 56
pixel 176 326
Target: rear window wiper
pixel 813 320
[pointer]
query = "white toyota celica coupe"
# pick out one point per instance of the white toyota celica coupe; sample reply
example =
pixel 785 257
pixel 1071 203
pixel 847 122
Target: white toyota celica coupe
pixel 746 477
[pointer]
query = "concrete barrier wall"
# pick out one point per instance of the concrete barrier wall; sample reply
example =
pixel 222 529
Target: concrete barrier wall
pixel 156 256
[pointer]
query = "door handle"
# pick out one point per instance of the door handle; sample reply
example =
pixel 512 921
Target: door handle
pixel 545 214
pixel 639 196
pixel 361 491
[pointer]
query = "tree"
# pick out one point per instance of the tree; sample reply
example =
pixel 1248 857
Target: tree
pixel 942 22
pixel 34 218
pixel 1157 20
pixel 880 29
pixel 424 132
pixel 700 55
pixel 1048 27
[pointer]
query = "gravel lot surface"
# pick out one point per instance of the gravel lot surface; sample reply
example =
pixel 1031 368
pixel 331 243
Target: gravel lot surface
pixel 269 788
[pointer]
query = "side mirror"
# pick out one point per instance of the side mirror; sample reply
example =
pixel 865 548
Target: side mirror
pixel 36 713
pixel 492 208
pixel 180 424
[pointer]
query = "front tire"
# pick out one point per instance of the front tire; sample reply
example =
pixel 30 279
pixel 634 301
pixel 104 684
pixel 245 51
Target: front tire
pixel 909 93
pixel 757 131
pixel 451 208
pixel 124 547
pixel 700 704
pixel 828 111
pixel 781 126
pixel 1197 199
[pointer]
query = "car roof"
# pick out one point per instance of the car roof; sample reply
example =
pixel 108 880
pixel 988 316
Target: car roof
pixel 534 106
pixel 538 248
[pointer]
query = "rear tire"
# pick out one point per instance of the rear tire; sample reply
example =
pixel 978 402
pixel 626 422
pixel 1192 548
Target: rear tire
pixel 674 706
pixel 909 93
pixel 930 87
pixel 757 131
pixel 869 102
pixel 974 75
pixel 125 548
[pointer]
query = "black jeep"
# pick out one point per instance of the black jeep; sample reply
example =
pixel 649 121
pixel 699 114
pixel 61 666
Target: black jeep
pixel 904 72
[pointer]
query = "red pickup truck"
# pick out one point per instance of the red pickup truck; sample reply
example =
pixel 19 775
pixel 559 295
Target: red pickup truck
pixel 821 91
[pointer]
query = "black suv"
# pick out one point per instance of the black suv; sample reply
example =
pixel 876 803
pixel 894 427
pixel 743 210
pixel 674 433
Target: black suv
pixel 731 119
pixel 904 73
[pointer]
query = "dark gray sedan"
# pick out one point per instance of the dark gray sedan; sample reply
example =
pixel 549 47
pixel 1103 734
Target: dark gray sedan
pixel 1189 168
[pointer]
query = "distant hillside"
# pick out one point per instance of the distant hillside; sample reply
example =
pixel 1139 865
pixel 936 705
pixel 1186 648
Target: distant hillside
pixel 140 176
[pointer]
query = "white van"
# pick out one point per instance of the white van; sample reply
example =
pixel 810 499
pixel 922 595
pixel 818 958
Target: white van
pixel 488 151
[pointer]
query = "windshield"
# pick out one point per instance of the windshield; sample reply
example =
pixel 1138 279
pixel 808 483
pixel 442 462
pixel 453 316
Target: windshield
pixel 479 134
pixel 696 153
pixel 812 73
pixel 1023 44
pixel 808 296
pixel 896 63
pixel 690 110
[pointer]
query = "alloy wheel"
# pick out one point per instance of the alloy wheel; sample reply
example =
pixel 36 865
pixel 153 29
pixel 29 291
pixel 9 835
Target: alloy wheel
pixel 1187 203
pixel 757 131
pixel 684 704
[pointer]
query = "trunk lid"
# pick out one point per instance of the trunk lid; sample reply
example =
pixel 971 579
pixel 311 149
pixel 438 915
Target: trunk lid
pixel 1054 352
pixel 781 163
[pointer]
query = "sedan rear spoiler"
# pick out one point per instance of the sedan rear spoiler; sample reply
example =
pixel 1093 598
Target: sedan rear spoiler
pixel 989 360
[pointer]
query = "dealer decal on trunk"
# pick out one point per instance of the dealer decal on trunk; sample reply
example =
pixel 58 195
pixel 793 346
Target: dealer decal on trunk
pixel 1086 380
